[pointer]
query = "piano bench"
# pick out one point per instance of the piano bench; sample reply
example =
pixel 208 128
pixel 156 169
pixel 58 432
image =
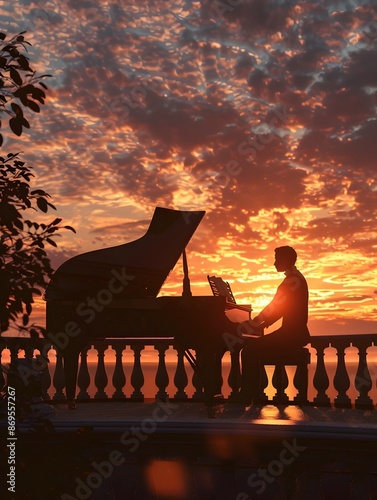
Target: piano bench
pixel 299 358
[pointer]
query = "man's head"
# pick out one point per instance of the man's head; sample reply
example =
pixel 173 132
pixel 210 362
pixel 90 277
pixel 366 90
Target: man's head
pixel 285 257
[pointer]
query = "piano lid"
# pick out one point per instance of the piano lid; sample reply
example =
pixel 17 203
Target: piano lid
pixel 136 269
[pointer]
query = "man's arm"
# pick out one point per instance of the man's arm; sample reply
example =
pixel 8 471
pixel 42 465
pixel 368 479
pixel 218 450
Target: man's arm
pixel 274 310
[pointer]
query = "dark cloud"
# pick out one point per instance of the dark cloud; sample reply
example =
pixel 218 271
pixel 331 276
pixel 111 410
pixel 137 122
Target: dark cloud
pixel 260 17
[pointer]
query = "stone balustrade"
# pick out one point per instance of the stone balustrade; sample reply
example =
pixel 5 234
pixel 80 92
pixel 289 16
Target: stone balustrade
pixel 52 374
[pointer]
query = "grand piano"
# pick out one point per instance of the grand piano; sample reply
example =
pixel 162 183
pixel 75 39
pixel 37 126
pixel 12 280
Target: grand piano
pixel 112 293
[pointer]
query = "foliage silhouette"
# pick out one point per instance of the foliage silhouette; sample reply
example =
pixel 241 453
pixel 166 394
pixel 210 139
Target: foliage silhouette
pixel 20 87
pixel 24 265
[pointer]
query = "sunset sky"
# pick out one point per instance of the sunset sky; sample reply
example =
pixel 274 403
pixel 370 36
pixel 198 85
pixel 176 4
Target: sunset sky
pixel 262 113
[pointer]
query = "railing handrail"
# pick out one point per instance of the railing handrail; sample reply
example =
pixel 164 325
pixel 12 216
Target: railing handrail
pixel 351 338
pixel 363 382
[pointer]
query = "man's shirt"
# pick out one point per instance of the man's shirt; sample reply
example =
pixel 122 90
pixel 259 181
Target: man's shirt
pixel 291 304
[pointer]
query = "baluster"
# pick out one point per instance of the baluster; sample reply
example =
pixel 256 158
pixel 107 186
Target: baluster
pixel 137 377
pixel 42 366
pixel 363 381
pixel 162 377
pixel 58 378
pixel 83 378
pixel 13 354
pixel 300 381
pixel 19 373
pixel 341 380
pixel 321 380
pixel 119 379
pixel 196 379
pixel 27 373
pixel 234 378
pixel 100 378
pixel 180 377
pixel 280 382
pixel 29 351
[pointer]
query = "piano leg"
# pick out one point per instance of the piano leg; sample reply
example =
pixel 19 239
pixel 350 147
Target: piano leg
pixel 209 362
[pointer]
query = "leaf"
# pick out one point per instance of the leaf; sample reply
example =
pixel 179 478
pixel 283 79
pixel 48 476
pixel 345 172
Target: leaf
pixel 42 204
pixel 38 94
pixel 26 89
pixel 34 333
pixel 33 106
pixel 51 205
pixel 25 319
pixel 1 140
pixel 2 36
pixel 39 192
pixel 70 228
pixel 19 245
pixel 16 109
pixel 13 52
pixel 25 123
pixel 24 63
pixel 16 126
pixel 52 242
pixel 18 223
pixel 15 75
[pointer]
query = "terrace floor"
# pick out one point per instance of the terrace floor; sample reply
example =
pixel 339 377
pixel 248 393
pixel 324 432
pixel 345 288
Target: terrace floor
pixel 174 451
pixel 267 419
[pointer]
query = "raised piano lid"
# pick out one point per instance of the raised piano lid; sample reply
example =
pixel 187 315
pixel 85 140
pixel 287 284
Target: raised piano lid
pixel 136 269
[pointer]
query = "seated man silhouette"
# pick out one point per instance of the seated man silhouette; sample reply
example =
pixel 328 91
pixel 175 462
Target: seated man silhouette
pixel 291 304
